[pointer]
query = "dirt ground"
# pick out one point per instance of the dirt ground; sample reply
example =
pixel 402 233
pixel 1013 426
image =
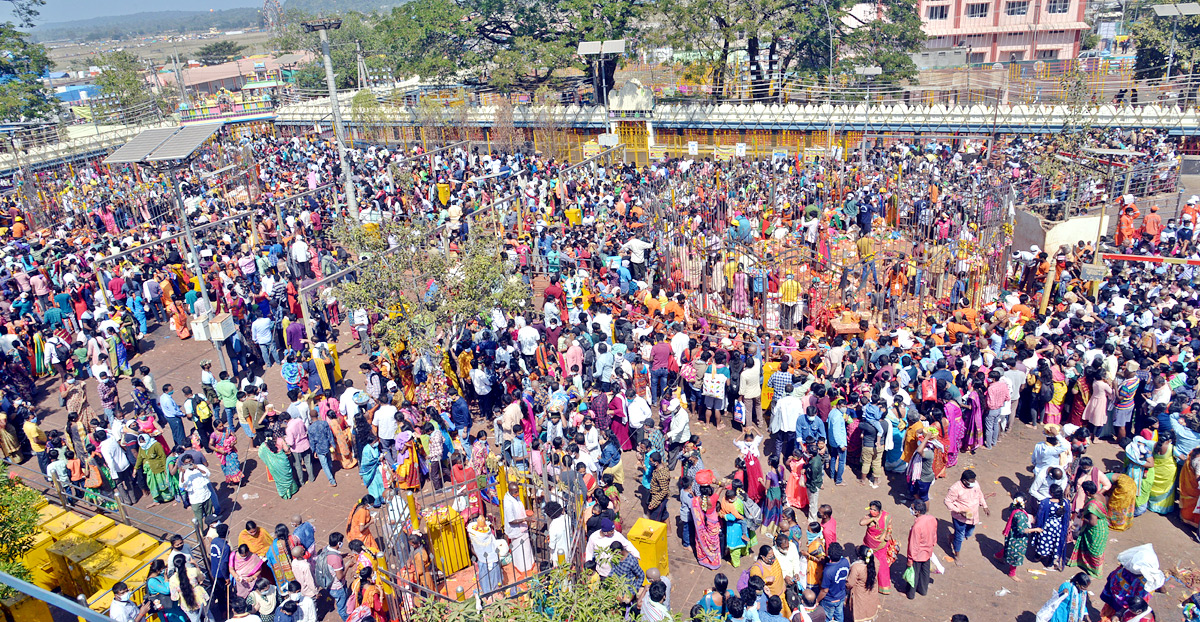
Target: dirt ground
pixel 974 589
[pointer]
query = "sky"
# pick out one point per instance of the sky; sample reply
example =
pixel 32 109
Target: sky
pixel 69 10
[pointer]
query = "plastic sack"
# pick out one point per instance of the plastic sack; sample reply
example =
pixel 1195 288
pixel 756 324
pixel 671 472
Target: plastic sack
pixel 1141 560
pixel 910 576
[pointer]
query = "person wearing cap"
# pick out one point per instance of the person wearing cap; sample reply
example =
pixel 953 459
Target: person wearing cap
pixel 599 545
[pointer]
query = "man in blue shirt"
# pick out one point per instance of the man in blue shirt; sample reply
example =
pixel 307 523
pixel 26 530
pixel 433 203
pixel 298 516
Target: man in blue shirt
pixel 809 426
pixel 837 444
pixel 174 415
pixel 774 611
pixel 460 413
pixel 833 584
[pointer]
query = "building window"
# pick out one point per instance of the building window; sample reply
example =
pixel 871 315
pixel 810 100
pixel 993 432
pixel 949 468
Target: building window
pixel 977 58
pixel 1020 7
pixel 1058 6
pixel 936 12
pixel 1047 54
pixel 977 10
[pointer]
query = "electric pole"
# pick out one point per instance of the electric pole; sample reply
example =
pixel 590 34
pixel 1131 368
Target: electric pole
pixel 321 26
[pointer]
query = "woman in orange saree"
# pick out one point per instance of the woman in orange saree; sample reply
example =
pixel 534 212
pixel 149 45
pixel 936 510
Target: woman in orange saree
pixel 179 319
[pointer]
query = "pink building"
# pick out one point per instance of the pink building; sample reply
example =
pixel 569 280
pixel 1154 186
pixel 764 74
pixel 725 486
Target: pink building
pixel 1005 30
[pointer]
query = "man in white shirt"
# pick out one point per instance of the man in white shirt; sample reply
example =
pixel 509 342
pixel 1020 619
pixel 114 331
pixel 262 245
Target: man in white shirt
pixel 515 528
pixel 194 480
pixel 383 420
pixel 1043 479
pixel 783 420
pixel 598 544
pixel 301 258
pixel 794 567
pixel 262 332
pixel 124 610
pixel 640 414
pixel 118 463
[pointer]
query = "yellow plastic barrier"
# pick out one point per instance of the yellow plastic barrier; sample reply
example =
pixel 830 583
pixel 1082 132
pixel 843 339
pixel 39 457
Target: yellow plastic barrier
pixel 137 545
pixel 94 526
pixel 118 535
pixel 61 524
pixel 650 539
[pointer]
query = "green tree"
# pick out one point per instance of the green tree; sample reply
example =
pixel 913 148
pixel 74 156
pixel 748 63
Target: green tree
pixel 398 285
pixel 121 78
pixel 22 97
pixel 557 595
pixel 367 112
pixel 18 525
pixel 219 52
pixel 356 29
pixel 1153 37
pixel 521 44
pixel 24 11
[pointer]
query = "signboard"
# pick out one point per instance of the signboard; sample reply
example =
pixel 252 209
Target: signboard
pixel 1107 30
pixel 591 149
pixel 658 153
pixel 779 154
pixel 740 150
pixel 693 147
pixel 1092 272
pixel 724 152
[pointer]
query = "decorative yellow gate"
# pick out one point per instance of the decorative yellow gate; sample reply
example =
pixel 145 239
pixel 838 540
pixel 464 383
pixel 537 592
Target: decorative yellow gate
pixel 633 135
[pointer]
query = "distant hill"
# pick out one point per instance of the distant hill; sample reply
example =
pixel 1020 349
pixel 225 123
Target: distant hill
pixel 330 7
pixel 150 23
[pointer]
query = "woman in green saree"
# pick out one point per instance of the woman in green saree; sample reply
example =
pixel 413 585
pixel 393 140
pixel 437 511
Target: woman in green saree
pixel 1093 538
pixel 279 467
pixel 152 461
pixel 1162 492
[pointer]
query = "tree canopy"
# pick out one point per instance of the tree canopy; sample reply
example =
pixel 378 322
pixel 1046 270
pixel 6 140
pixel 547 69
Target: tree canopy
pixel 1153 36
pixel 219 52
pixel 22 95
pixel 25 10
pixel 420 289
pixel 512 45
pixel 121 77
pixel 18 524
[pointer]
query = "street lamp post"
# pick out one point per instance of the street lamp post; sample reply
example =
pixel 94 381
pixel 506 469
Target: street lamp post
pixel 1175 11
pixel 339 132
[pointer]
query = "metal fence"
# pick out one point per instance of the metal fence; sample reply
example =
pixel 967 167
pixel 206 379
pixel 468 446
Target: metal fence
pixel 437 519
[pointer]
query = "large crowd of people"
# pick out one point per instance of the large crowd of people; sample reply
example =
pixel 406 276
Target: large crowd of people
pixel 647 325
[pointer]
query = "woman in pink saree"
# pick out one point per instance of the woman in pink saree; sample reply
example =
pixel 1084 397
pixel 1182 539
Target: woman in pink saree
pixel 877 538
pixel 973 418
pixel 955 431
pixel 707 524
pixel 244 569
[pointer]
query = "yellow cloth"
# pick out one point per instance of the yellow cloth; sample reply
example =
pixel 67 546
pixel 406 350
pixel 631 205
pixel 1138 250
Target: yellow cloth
pixel 866 248
pixel 789 291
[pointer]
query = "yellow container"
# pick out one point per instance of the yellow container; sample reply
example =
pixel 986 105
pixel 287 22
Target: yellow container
pixel 93 567
pixel 63 523
pixel 650 539
pixel 448 535
pixel 47 512
pixel 122 569
pixel 137 545
pixel 78 554
pixel 36 556
pixel 160 550
pixel 94 526
pixel 43 578
pixel 22 607
pixel 116 536
pixel 60 565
